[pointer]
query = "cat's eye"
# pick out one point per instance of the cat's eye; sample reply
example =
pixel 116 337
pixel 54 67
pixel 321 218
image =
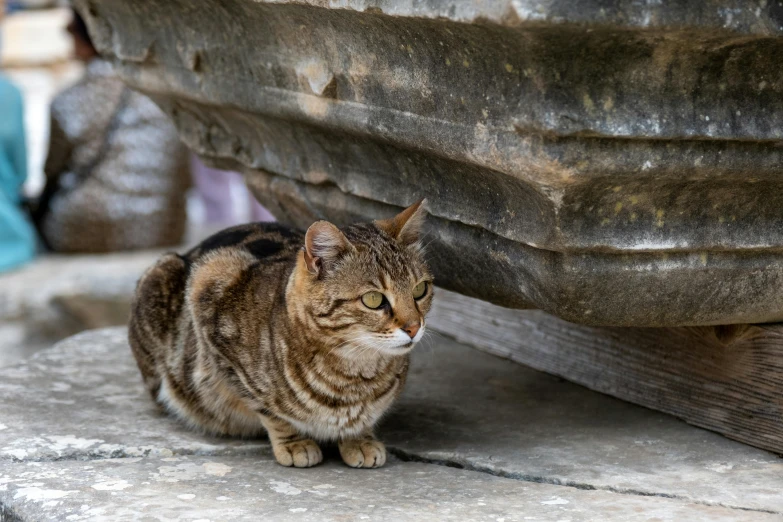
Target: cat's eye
pixel 419 290
pixel 372 300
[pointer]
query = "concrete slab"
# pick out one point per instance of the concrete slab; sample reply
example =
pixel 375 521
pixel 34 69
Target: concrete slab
pixel 529 442
pixel 256 488
pixel 83 399
pixel 465 408
pixel 31 289
pixel 57 295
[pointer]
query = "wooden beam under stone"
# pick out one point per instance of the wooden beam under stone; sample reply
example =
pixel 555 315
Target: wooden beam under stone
pixel 727 379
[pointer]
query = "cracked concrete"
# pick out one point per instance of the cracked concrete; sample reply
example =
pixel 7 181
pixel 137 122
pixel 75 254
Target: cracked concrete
pixel 489 415
pixel 81 440
pixel 83 400
pixel 256 488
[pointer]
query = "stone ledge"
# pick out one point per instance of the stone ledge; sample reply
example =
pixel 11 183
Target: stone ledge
pixel 83 401
pixel 57 295
pixel 696 15
pixel 256 488
pixel 607 162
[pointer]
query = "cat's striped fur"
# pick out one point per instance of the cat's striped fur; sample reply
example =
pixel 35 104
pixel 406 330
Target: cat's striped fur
pixel 263 328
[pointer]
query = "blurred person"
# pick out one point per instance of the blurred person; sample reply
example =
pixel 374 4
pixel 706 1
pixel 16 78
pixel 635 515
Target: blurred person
pixel 116 173
pixel 17 236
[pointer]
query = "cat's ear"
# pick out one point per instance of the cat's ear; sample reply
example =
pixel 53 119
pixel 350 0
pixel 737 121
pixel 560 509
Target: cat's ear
pixel 324 243
pixel 406 226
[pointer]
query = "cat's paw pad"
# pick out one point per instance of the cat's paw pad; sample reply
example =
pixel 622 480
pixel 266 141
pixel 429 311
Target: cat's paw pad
pixel 299 454
pixel 363 453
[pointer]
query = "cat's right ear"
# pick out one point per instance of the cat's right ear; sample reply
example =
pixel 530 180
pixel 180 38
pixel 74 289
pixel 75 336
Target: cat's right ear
pixel 324 244
pixel 406 226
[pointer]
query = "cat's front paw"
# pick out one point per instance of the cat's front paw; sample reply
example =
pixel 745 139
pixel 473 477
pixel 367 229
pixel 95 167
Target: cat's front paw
pixel 299 454
pixel 363 453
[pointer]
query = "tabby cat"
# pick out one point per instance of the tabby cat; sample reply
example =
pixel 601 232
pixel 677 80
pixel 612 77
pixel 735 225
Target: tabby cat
pixel 305 336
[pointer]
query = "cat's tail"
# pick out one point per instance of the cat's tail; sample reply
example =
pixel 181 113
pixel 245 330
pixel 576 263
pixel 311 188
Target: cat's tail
pixel 155 312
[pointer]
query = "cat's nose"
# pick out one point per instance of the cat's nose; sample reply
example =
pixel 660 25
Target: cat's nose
pixel 411 329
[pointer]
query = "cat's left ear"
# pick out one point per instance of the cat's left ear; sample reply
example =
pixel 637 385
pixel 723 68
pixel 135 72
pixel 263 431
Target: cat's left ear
pixel 406 226
pixel 324 244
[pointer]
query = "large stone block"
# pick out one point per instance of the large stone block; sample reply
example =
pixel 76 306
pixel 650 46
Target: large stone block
pixel 613 163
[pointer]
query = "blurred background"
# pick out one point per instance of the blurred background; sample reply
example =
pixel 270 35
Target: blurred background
pixel 94 183
pixel 37 55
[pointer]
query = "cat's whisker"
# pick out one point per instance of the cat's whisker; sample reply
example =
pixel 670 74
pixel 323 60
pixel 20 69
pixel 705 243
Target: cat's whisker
pixel 427 344
pixel 431 241
pixel 353 338
pixel 348 341
pixel 358 342
pixel 353 350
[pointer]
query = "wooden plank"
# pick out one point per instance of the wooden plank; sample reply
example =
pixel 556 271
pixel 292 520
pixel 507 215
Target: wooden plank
pixel 728 379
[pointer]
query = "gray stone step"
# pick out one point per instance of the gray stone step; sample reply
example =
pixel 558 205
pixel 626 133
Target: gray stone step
pixel 81 440
pixel 56 296
pixel 256 488
pixel 83 399
pixel 59 295
pixel 465 408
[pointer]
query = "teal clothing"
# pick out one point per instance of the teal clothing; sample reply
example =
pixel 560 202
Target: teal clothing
pixel 17 235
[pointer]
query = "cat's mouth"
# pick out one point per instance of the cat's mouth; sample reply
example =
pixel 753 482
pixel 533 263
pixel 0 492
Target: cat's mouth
pixel 402 348
pixel 395 349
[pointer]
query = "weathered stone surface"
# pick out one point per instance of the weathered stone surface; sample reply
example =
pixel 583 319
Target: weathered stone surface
pixel 722 378
pixel 612 162
pixel 256 488
pixel 483 413
pixel 83 400
pixel 57 296
pixel 60 295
